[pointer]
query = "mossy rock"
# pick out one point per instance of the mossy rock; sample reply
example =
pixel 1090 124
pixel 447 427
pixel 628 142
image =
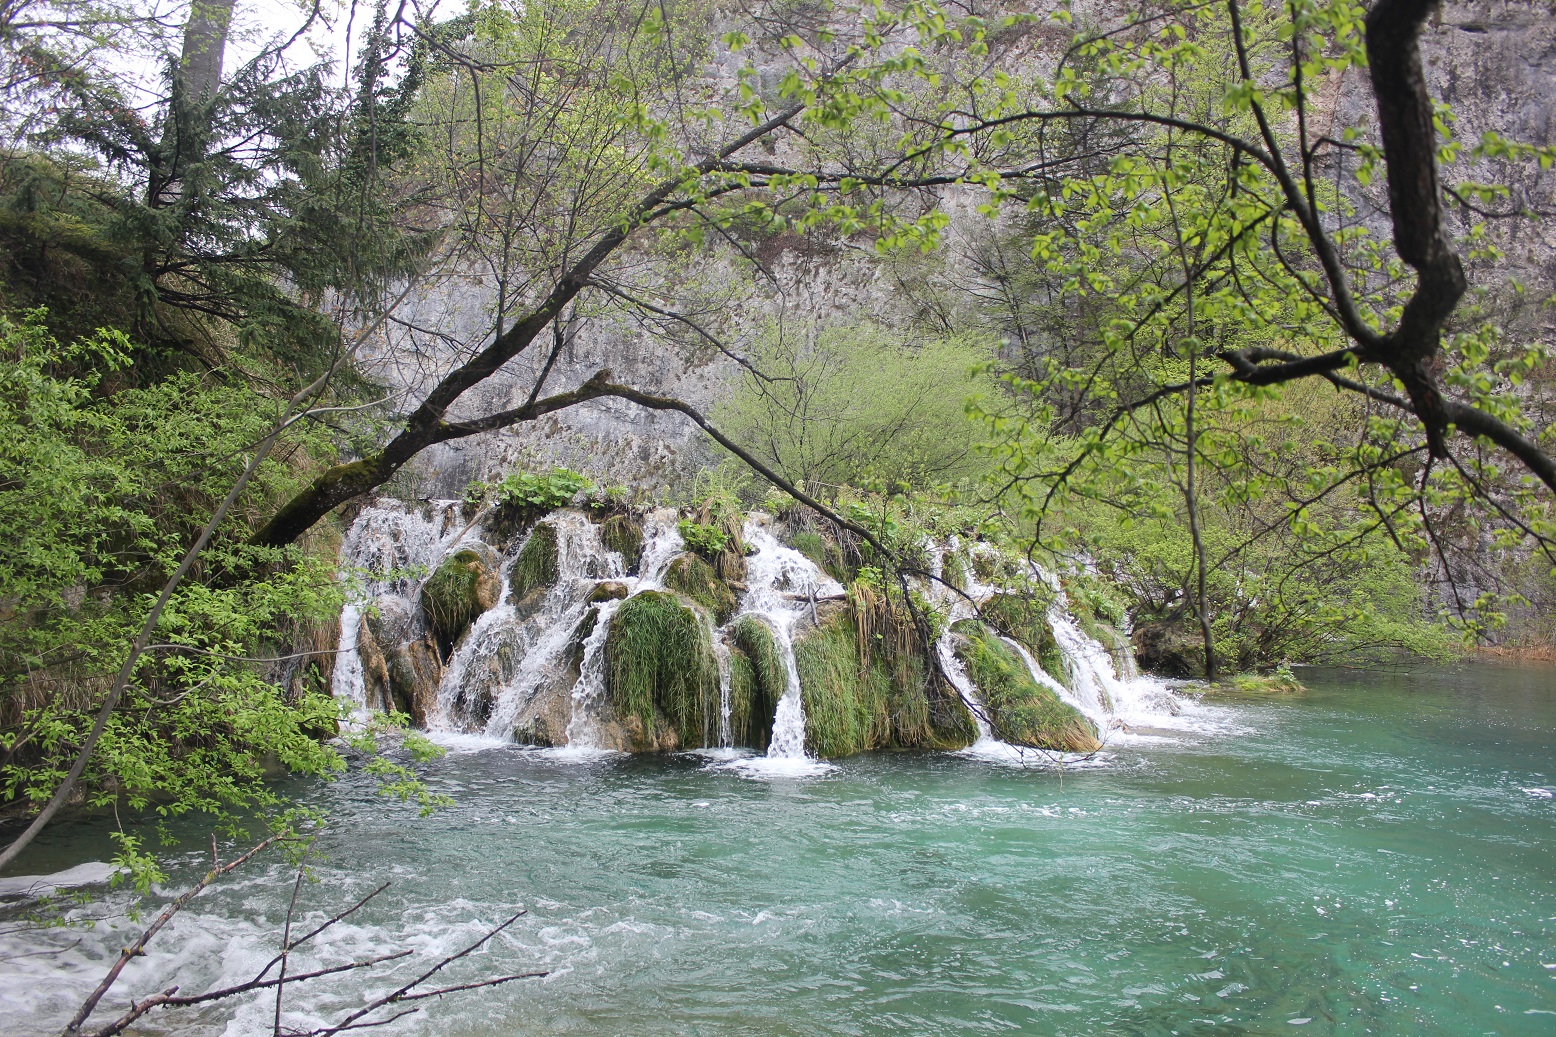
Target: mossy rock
pixel 535 571
pixel 758 679
pixel 607 590
pixel 854 702
pixel 456 594
pixel 695 578
pixel 621 534
pixel 1021 711
pixel 1025 620
pixel 660 664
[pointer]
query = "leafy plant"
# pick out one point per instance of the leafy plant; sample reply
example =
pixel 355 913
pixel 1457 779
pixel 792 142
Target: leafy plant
pixel 705 540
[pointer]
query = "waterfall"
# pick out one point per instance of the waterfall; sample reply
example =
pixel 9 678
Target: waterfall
pixel 534 670
pixel 388 550
pixel 589 689
pixel 782 586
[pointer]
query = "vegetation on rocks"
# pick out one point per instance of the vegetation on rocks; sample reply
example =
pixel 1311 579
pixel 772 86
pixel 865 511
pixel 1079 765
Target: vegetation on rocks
pixel 694 577
pixel 535 570
pixel 660 667
pixel 1021 711
pixel 624 535
pixel 456 594
pixel 758 679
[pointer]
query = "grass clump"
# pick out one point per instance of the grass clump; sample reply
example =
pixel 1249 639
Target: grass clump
pixel 1021 711
pixel 1026 620
pixel 660 663
pixel 1280 681
pixel 621 534
pixel 456 594
pixel 754 693
pixel 536 567
pixel 695 578
pixel 847 707
pixel 826 553
pixel 857 698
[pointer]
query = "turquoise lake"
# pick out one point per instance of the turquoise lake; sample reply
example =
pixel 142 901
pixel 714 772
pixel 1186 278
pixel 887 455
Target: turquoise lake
pixel 1377 856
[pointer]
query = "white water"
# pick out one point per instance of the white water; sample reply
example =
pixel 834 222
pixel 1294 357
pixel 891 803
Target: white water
pixel 782 589
pixel 508 667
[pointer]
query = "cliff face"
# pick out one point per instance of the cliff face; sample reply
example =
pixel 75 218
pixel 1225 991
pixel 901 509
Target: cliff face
pixel 1492 61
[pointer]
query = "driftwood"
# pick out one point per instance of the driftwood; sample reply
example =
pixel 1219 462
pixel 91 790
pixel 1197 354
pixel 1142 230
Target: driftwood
pixel 361 1018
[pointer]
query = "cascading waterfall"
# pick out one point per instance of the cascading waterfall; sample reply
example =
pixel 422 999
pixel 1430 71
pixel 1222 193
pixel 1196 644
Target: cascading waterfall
pixel 533 671
pixel 781 585
pixel 390 547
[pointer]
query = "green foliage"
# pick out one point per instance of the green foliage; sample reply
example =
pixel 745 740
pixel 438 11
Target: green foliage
pixel 759 680
pixel 537 566
pixel 695 578
pixel 660 662
pixel 707 541
pixel 535 492
pixel 1021 711
pixel 855 406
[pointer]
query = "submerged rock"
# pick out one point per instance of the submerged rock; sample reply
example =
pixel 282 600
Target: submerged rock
pixel 1021 711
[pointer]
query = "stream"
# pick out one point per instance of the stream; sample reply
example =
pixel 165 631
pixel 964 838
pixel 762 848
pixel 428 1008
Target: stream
pixel 1373 857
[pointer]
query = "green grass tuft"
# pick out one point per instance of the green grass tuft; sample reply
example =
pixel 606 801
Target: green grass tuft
pixel 454 596
pixel 1021 711
pixel 752 705
pixel 695 578
pixel 536 567
pixel 660 662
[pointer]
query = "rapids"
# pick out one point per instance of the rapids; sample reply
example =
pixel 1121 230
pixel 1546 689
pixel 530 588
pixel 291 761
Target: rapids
pixel 1371 858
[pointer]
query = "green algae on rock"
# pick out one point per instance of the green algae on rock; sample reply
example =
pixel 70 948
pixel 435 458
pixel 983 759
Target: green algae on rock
pixel 695 578
pixel 456 594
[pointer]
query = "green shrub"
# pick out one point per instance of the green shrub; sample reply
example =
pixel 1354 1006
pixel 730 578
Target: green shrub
pixel 707 541
pixel 1021 711
pixel 695 578
pixel 660 662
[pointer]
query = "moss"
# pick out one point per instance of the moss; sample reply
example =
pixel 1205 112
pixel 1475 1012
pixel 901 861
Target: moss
pixel 621 534
pixel 660 662
pixel 1021 711
pixel 607 590
pixel 1026 620
pixel 454 595
pixel 847 706
pixel 753 704
pixel 535 569
pixel 695 578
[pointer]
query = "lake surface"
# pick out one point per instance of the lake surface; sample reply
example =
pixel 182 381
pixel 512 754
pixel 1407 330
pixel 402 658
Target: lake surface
pixel 1375 857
